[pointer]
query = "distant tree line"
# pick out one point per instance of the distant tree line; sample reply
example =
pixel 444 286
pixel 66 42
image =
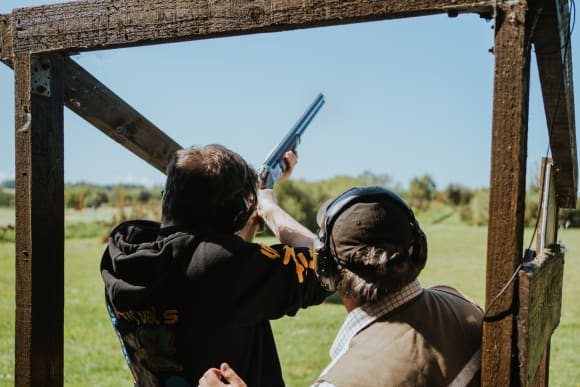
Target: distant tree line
pixel 86 195
pixel 303 198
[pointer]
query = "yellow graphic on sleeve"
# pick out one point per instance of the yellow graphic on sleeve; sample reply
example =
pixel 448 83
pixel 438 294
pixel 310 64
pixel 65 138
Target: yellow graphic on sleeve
pixel 269 251
pixel 301 263
pixel 303 259
pixel 290 253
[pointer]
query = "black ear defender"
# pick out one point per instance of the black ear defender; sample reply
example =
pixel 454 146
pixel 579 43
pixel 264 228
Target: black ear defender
pixel 326 265
pixel 236 212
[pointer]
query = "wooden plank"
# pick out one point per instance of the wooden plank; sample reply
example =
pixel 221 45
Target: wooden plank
pixel 554 58
pixel 94 102
pixel 540 305
pixel 100 24
pixel 97 104
pixel 507 188
pixel 39 221
pixel 546 235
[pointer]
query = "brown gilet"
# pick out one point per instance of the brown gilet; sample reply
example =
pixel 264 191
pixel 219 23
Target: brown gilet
pixel 425 342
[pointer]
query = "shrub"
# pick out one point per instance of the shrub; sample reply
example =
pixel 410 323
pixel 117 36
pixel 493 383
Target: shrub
pixel 6 198
pixel 479 208
pixel 7 233
pixel 457 195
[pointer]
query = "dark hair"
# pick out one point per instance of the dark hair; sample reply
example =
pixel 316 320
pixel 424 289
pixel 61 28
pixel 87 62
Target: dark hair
pixel 204 186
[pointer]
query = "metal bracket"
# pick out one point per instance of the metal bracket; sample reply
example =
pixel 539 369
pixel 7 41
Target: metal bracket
pixel 40 74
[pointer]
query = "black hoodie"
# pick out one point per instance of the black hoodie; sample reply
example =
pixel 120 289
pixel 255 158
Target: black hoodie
pixel 182 302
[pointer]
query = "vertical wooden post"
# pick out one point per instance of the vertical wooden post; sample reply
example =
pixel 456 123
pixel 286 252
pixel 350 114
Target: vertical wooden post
pixel 39 220
pixel 507 188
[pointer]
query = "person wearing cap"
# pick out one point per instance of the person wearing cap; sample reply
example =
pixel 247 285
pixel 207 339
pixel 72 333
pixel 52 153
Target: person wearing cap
pixel 370 249
pixel 194 289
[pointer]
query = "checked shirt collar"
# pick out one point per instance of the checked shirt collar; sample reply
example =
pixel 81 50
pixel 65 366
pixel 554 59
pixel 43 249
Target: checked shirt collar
pixel 359 318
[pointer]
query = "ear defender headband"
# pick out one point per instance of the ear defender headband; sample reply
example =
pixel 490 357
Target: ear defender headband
pixel 326 264
pixel 236 212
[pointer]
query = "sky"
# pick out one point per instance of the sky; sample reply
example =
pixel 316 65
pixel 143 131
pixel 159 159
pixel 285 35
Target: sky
pixel 403 98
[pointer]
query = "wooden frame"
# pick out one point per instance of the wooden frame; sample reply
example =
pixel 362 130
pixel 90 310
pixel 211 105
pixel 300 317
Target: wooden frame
pixel 39 220
pixel 47 34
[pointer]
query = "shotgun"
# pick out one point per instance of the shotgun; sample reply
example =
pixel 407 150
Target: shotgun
pixel 274 165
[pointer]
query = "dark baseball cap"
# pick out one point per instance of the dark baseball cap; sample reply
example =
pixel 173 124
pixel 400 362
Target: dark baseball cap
pixel 379 220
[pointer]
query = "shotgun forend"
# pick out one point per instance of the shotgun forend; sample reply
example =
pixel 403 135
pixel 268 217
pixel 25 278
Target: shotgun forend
pixel 274 165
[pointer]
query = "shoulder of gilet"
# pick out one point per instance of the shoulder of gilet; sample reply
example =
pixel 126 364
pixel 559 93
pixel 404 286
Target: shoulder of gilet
pixel 454 292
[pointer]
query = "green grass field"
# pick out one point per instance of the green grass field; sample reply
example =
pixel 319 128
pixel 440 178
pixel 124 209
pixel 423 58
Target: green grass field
pixel 93 356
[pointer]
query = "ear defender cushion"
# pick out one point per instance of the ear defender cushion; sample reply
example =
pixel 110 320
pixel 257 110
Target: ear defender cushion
pixel 325 264
pixel 420 256
pixel 235 214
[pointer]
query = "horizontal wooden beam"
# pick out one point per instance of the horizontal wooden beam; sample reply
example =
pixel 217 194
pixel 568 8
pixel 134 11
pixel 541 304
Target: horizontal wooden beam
pixel 553 55
pixel 100 24
pixel 93 101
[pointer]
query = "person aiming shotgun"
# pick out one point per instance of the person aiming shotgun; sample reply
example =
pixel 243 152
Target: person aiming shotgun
pixel 193 289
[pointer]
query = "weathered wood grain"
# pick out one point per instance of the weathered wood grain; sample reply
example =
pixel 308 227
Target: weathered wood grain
pixel 507 187
pixel 540 305
pixel 100 24
pixel 554 58
pixel 39 223
pixel 97 104
pixel 542 377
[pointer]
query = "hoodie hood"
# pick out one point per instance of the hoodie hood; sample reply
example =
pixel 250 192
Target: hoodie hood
pixel 139 259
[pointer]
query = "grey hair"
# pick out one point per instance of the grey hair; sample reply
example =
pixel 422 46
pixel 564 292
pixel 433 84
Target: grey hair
pixel 373 272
